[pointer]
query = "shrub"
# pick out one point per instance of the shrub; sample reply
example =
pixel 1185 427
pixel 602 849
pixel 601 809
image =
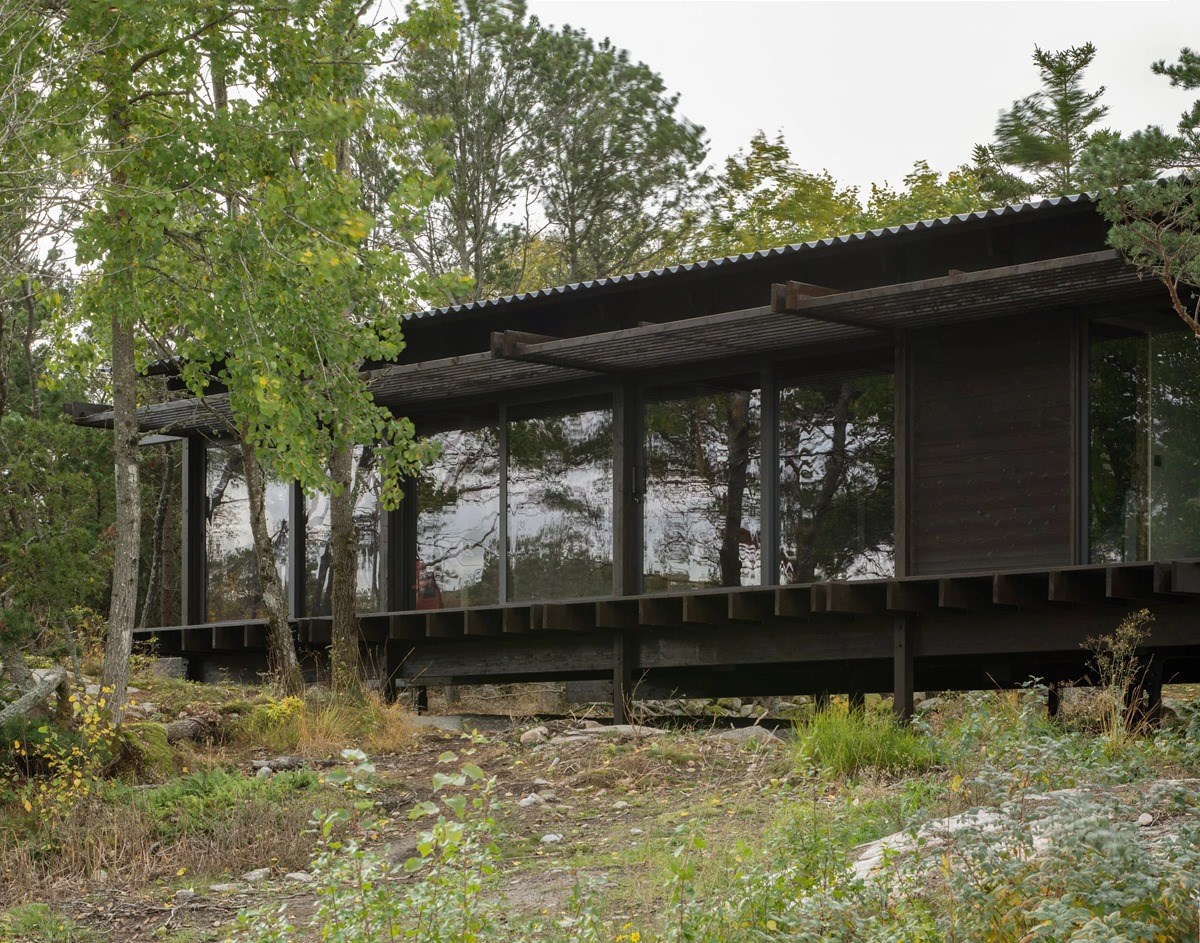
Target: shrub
pixel 846 742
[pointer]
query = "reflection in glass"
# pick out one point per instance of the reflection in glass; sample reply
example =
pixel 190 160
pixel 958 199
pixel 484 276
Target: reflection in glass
pixel 458 522
pixel 702 490
pixel 836 486
pixel 560 510
pixel 318 583
pixel 1144 446
pixel 232 575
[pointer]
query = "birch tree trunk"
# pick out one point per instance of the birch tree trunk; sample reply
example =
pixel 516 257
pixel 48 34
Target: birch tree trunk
pixel 127 548
pixel 343 544
pixel 285 666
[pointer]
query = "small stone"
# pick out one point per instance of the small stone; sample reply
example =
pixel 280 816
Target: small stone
pixel 1145 819
pixel 264 772
pixel 536 735
pixel 547 795
pixel 257 875
pixel 101 875
pixel 635 831
pixel 185 893
pixel 551 838
pixel 531 800
pixel 298 877
pixel 224 888
pixel 542 782
pixel 591 724
pixel 620 804
pixel 748 734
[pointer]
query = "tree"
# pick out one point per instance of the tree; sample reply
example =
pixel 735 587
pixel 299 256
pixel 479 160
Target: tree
pixel 478 96
pixel 569 159
pixel 1040 141
pixel 617 166
pixel 763 199
pixel 925 195
pixel 254 260
pixel 1155 218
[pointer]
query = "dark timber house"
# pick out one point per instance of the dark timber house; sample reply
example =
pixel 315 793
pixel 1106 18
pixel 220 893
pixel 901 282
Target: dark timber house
pixel 937 457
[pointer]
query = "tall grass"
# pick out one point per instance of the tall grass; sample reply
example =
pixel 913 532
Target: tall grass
pixel 324 727
pixel 847 742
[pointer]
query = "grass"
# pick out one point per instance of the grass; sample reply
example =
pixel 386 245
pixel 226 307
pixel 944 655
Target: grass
pixel 206 823
pixel 39 923
pixel 320 727
pixel 846 743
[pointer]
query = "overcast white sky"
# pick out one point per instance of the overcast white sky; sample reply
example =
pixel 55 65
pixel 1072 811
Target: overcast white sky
pixel 865 88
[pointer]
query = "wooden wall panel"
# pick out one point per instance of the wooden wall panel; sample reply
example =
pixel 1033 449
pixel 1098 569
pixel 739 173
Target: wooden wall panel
pixel 990 447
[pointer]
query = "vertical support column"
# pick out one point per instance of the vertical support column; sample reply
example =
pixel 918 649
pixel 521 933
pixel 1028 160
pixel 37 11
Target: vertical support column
pixel 1153 685
pixel 769 473
pixel 902 383
pixel 1053 700
pixel 503 522
pixel 194 513
pixel 399 561
pixel 628 464
pixel 904 630
pixel 623 654
pixel 1079 440
pixel 296 558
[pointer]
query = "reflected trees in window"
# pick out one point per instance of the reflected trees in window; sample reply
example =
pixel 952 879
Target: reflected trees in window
pixel 232 588
pixel 1144 445
pixel 836 485
pixel 560 505
pixel 458 522
pixel 318 581
pixel 702 488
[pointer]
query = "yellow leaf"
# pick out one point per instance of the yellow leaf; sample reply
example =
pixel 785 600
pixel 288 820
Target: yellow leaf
pixel 28 806
pixel 181 872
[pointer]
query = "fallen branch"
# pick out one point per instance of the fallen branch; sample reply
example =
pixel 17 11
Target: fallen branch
pixel 27 702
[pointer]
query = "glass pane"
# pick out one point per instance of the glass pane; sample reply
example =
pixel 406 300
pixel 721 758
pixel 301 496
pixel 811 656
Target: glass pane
pixel 702 491
pixel 458 523
pixel 836 484
pixel 232 588
pixel 1119 419
pixel 560 510
pixel 1175 447
pixel 318 583
pixel 162 556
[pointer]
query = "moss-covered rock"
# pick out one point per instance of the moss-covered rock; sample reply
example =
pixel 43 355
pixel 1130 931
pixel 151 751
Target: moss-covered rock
pixel 145 751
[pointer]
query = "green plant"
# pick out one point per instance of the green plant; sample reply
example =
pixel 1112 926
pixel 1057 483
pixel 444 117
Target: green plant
pixel 38 923
pixel 1118 669
pixel 846 742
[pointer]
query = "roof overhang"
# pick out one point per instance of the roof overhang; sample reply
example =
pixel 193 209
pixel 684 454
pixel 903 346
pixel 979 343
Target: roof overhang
pixel 522 364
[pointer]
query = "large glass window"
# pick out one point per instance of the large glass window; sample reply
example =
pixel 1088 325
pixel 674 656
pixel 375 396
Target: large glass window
pixel 458 522
pixel 836 485
pixel 1144 445
pixel 232 575
pixel 702 487
pixel 318 582
pixel 560 511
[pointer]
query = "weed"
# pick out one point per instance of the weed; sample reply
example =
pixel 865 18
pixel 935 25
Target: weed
pixel 38 923
pixel 323 727
pixel 846 742
pixel 1118 668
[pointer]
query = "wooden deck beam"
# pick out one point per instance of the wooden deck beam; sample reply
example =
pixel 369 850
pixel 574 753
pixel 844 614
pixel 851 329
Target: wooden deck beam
pixel 617 614
pixel 569 617
pixel 1078 587
pixel 794 601
pixel 706 609
pixel 751 605
pixel 445 623
pixel 865 599
pixel 660 611
pixel 912 595
pixel 965 592
pixel 484 622
pixel 1021 590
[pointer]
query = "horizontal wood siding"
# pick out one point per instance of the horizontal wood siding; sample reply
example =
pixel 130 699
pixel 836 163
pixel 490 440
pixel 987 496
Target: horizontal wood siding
pixel 991 446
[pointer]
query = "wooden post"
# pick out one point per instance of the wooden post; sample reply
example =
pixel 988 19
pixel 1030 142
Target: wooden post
pixel 858 700
pixel 503 521
pixel 902 382
pixel 628 449
pixel 622 676
pixel 1053 700
pixel 821 701
pixel 297 569
pixel 769 477
pixel 194 512
pixel 902 666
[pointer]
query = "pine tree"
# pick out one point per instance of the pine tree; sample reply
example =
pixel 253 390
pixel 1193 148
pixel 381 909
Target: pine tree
pixel 1041 139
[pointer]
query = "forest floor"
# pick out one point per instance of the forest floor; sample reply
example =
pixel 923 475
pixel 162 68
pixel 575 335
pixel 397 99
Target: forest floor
pixel 637 833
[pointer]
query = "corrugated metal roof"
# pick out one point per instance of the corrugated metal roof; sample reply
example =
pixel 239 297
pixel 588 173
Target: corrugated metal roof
pixel 1011 209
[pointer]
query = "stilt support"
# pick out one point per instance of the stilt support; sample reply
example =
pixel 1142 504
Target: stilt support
pixel 1053 700
pixel 904 630
pixel 622 676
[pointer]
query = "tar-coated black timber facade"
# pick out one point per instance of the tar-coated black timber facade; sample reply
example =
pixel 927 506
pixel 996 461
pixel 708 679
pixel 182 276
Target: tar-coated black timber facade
pixel 940 457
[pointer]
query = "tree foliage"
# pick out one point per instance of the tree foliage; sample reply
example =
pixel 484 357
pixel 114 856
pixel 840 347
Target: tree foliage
pixel 570 160
pixel 1152 200
pixel 1040 141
